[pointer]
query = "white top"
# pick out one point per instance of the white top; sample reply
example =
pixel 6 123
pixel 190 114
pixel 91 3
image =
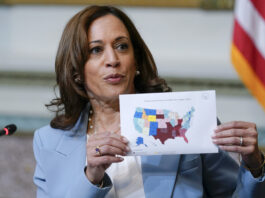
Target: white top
pixel 126 177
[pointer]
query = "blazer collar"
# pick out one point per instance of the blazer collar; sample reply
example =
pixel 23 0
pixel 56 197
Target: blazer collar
pixel 76 136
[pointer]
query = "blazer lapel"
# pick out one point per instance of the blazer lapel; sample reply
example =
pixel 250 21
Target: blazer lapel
pixel 70 142
pixel 75 137
pixel 159 174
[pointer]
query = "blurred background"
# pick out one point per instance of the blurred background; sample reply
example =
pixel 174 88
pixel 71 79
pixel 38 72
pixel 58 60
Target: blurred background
pixel 190 41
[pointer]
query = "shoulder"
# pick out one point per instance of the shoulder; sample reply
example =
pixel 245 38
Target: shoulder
pixel 47 137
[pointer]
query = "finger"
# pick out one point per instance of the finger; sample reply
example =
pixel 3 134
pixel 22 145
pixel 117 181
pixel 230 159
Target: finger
pixel 110 150
pixel 238 149
pixel 103 160
pixel 110 141
pixel 234 141
pixel 109 134
pixel 235 124
pixel 107 146
pixel 106 150
pixel 230 133
pixel 99 136
pixel 250 132
pixel 117 145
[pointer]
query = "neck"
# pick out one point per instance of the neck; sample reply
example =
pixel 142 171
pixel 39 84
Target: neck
pixel 106 115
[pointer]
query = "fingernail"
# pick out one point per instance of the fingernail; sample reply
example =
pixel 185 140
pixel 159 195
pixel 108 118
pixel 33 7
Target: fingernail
pixel 219 127
pixel 125 139
pixel 121 159
pixel 127 149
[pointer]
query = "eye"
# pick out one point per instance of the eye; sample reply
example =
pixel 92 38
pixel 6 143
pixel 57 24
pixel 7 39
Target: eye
pixel 95 50
pixel 122 46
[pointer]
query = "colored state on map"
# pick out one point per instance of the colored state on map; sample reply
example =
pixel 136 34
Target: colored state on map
pixel 161 124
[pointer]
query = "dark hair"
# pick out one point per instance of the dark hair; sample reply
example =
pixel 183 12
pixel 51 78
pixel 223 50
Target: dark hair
pixel 72 55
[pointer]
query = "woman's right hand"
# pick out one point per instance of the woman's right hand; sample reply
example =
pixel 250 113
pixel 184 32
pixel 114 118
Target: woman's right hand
pixel 109 145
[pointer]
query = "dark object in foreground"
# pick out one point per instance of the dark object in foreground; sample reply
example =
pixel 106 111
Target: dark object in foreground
pixel 8 130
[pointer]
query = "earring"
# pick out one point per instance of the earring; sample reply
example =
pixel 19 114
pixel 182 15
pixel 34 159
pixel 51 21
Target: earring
pixel 77 80
pixel 137 73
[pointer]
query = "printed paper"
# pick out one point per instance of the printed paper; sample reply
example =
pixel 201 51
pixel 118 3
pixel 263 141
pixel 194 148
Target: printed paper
pixel 169 123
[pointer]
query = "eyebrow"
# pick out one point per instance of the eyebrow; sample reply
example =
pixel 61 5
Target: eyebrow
pixel 121 37
pixel 96 41
pixel 100 41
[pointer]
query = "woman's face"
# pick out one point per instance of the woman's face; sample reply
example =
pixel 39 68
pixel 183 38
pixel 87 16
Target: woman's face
pixel 110 68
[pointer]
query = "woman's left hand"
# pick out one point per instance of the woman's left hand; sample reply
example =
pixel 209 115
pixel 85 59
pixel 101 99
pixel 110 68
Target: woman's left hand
pixel 240 137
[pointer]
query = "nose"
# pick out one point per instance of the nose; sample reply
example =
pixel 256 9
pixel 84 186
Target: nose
pixel 112 59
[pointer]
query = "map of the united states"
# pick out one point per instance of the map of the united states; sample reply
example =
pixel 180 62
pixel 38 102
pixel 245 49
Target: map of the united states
pixel 161 124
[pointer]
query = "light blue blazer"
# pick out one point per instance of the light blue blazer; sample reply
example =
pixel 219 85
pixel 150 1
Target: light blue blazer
pixel 61 154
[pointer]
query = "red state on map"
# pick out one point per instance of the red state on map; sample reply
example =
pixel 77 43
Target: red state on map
pixel 171 132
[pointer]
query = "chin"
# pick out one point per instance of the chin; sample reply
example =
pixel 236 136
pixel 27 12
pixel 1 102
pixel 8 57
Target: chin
pixel 115 94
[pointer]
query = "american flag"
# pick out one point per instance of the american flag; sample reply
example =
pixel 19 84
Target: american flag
pixel 248 46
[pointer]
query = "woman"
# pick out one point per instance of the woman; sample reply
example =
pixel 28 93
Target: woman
pixel 100 56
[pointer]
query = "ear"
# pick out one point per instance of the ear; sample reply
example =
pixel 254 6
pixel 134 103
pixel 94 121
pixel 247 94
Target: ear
pixel 77 79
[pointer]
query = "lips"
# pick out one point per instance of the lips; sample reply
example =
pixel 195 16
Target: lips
pixel 114 78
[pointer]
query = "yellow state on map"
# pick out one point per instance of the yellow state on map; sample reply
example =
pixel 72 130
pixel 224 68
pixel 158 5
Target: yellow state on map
pixel 151 118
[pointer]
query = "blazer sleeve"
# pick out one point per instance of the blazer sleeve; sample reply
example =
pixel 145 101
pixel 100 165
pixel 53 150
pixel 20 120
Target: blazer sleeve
pixel 39 175
pixel 81 187
pixel 222 177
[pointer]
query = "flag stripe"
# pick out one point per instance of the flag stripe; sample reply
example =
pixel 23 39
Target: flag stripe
pixel 252 22
pixel 247 75
pixel 260 6
pixel 246 46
